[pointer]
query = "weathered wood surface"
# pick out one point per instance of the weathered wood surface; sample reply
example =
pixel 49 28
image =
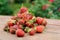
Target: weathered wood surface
pixel 52 32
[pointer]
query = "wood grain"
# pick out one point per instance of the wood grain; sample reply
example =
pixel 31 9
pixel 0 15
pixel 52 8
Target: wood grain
pixel 52 31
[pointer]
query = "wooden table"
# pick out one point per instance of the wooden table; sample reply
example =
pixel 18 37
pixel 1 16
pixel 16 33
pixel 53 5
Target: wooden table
pixel 52 32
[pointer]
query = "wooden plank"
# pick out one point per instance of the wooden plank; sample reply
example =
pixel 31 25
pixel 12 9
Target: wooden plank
pixel 52 31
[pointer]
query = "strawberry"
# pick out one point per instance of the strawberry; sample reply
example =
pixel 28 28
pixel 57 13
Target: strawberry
pixel 21 21
pixel 31 26
pixel 24 16
pixel 39 20
pixel 32 32
pixel 29 16
pixel 44 22
pixel 19 15
pixel 10 23
pixel 27 24
pixel 17 23
pixel 59 9
pixel 20 33
pixel 20 26
pixel 44 7
pixel 39 29
pixel 12 31
pixel 23 9
pixel 15 27
pixel 51 1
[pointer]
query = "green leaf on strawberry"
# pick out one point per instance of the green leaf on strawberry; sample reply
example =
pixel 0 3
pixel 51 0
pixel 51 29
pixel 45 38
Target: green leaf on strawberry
pixel 6 29
pixel 27 29
pixel 13 21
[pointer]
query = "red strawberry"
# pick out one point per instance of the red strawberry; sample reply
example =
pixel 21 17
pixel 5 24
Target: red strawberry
pixel 24 16
pixel 39 29
pixel 19 15
pixel 51 1
pixel 12 31
pixel 20 33
pixel 59 9
pixel 21 21
pixel 27 24
pixel 10 23
pixel 17 23
pixel 32 32
pixel 44 7
pixel 29 16
pixel 15 27
pixel 23 9
pixel 31 26
pixel 39 20
pixel 20 26
pixel 44 22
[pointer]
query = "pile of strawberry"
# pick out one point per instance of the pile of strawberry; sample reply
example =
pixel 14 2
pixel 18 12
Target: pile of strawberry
pixel 25 22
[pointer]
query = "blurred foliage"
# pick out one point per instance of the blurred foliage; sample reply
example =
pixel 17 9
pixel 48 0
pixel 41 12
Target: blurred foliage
pixel 19 1
pixel 44 8
pixel 23 1
pixel 15 8
pixel 4 8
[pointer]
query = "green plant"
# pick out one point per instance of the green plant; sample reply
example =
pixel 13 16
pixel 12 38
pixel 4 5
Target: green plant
pixel 46 8
pixel 4 8
pixel 18 1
